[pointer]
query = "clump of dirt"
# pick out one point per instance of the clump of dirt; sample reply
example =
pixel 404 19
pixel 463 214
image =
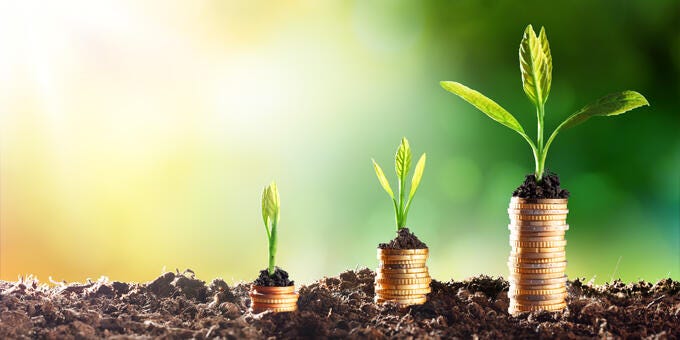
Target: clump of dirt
pixel 334 307
pixel 548 187
pixel 405 240
pixel 278 279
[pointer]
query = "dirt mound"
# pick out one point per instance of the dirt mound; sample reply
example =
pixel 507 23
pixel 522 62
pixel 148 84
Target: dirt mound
pixel 405 240
pixel 549 187
pixel 180 306
pixel 278 279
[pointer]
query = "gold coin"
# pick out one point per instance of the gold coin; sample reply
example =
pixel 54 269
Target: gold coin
pixel 528 256
pixel 402 276
pixel 537 212
pixel 420 258
pixel 401 292
pixel 519 200
pixel 276 309
pixel 515 308
pixel 256 299
pixel 538 244
pixel 538 302
pixel 523 250
pixel 402 270
pixel 272 305
pixel 522 260
pixel 536 279
pixel 522 271
pixel 526 234
pixel 533 224
pixel 410 301
pixel 561 217
pixel 413 281
pixel 389 286
pixel 561 264
pixel 390 252
pixel 538 297
pixel 528 237
pixel 514 291
pixel 522 281
pixel 402 265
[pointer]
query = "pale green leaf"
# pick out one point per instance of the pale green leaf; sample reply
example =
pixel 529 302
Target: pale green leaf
pixel 535 67
pixel 270 204
pixel 402 160
pixel 610 105
pixel 484 104
pixel 382 179
pixel 417 175
pixel 548 67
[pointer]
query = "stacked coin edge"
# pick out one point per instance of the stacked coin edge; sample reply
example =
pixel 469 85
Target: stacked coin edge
pixel 402 276
pixel 537 261
pixel 275 299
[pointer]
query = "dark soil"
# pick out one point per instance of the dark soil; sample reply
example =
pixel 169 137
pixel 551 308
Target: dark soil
pixel 549 187
pixel 279 279
pixel 405 240
pixel 180 306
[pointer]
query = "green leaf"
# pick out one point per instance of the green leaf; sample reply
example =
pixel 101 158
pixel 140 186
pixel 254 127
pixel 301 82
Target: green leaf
pixel 484 104
pixel 270 204
pixel 609 105
pixel 402 160
pixel 383 180
pixel 543 38
pixel 535 63
pixel 417 175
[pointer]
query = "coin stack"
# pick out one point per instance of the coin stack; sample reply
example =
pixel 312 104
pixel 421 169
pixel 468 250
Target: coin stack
pixel 402 276
pixel 275 299
pixel 537 260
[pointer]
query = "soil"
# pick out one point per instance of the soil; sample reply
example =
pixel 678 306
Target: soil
pixel 177 305
pixel 278 279
pixel 405 240
pixel 548 187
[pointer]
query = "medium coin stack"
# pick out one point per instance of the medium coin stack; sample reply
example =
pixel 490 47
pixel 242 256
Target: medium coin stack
pixel 537 260
pixel 402 276
pixel 275 299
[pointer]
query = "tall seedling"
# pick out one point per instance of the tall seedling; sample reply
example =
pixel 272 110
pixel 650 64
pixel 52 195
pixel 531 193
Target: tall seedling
pixel 270 214
pixel 535 62
pixel 402 166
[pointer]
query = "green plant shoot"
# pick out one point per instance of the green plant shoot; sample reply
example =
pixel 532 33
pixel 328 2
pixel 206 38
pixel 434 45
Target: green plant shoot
pixel 402 166
pixel 535 63
pixel 270 214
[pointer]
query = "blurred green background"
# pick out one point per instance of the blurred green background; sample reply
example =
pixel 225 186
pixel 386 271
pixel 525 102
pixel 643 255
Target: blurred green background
pixel 137 136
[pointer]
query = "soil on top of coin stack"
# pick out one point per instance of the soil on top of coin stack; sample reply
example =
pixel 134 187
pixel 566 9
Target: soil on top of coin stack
pixel 179 306
pixel 405 240
pixel 548 187
pixel 278 279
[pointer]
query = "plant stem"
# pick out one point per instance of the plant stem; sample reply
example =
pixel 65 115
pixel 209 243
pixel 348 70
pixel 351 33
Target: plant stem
pixel 272 249
pixel 400 221
pixel 540 160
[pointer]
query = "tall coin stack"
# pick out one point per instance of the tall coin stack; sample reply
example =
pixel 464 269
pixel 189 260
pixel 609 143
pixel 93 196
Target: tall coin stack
pixel 275 299
pixel 402 276
pixel 538 259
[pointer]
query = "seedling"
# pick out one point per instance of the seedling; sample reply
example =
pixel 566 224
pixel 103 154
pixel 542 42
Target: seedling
pixel 535 63
pixel 270 214
pixel 402 166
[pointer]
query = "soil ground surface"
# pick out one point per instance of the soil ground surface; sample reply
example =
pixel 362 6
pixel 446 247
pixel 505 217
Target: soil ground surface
pixel 549 187
pixel 405 239
pixel 177 305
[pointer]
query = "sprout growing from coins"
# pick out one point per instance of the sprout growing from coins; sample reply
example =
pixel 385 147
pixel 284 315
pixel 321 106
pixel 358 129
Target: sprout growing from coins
pixel 536 69
pixel 271 205
pixel 402 166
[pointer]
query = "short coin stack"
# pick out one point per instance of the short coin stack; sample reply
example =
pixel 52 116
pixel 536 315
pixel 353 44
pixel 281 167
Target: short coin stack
pixel 538 259
pixel 402 276
pixel 275 299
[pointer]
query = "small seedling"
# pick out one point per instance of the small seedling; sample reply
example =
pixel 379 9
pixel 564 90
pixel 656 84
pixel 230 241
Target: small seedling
pixel 536 69
pixel 271 205
pixel 402 166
